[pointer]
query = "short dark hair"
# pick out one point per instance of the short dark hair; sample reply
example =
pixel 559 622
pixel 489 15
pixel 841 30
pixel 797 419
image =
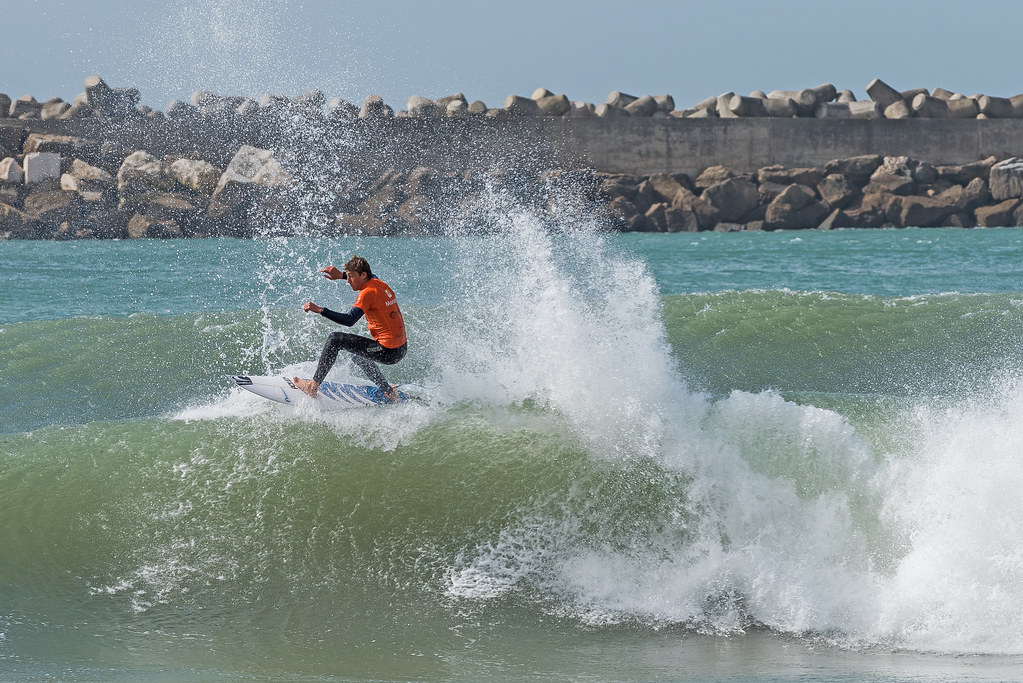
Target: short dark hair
pixel 359 265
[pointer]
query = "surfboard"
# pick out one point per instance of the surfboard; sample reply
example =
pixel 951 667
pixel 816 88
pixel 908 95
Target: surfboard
pixel 331 396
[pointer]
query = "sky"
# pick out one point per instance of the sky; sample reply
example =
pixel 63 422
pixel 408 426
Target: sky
pixel 487 50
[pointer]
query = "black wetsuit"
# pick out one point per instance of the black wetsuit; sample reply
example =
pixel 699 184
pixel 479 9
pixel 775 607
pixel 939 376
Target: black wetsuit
pixel 366 352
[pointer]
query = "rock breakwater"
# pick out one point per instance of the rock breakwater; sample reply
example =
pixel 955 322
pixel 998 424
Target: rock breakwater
pixel 104 166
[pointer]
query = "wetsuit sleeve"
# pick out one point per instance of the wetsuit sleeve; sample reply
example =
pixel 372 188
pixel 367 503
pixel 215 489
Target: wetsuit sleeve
pixel 350 318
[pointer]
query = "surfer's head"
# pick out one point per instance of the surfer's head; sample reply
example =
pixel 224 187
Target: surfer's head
pixel 357 264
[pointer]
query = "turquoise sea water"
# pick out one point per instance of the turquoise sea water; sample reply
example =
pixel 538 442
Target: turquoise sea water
pixel 770 456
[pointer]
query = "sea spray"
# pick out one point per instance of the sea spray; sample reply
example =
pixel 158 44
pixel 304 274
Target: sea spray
pixel 953 499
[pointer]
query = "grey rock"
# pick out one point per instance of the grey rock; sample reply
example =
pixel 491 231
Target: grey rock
pixel 805 100
pixel 373 107
pixel 342 110
pixel 87 180
pixel 746 107
pixel 53 110
pixel 857 169
pixel 796 207
pixel 920 212
pixel 722 108
pixel 553 105
pixel 927 107
pixel 836 190
pixel 665 103
pixel 733 198
pixel 826 92
pixel 11 171
pixel 610 111
pixel 1006 179
pixel 252 176
pixel 196 175
pixel 789 176
pixel 25 106
pixel 140 174
pixel 177 110
pixel 582 110
pixel 996 107
pixel 42 169
pixel 642 106
pixel 422 107
pixel 882 93
pixel 898 110
pixel 1000 215
pixel 619 99
pixel 516 105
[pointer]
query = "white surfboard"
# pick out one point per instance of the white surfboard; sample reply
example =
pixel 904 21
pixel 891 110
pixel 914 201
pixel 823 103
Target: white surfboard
pixel 331 396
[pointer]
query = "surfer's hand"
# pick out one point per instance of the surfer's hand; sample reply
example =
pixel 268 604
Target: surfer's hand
pixel 332 273
pixel 310 307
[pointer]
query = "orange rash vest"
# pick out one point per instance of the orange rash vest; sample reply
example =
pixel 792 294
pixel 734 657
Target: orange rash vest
pixel 386 325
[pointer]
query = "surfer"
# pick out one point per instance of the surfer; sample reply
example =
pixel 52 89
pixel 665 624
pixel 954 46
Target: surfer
pixel 376 301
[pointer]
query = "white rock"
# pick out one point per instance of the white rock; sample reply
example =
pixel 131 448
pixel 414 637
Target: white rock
pixel 41 167
pixel 10 171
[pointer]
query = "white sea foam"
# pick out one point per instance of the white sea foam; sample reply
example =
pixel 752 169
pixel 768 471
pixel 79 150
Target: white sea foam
pixel 800 523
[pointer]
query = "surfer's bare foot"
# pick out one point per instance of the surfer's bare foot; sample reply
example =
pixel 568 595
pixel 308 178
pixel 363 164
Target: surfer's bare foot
pixel 309 386
pixel 393 396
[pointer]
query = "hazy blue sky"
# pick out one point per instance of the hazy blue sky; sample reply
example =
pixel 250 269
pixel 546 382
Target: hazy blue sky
pixel 583 48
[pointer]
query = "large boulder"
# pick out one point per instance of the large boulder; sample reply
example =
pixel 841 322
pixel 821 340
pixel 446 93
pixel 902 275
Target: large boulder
pixel 998 215
pixel 707 215
pixel 893 176
pixel 422 107
pixel 1006 179
pixel 713 175
pixel 253 178
pixel 789 176
pixel 882 93
pixel 142 227
pixel 965 173
pixel 857 169
pixel 373 107
pixel 553 105
pixel 968 198
pixel 90 182
pixel 642 106
pixel 110 102
pixel 619 99
pixel 11 171
pixel 836 190
pixel 733 198
pixel 865 211
pixel 142 174
pixel 609 111
pixel 42 169
pixel 920 212
pixel 196 175
pixel 516 105
pixel 25 107
pixel 15 224
pixel 53 109
pixel 53 207
pixel 667 185
pixel 64 145
pixel 796 207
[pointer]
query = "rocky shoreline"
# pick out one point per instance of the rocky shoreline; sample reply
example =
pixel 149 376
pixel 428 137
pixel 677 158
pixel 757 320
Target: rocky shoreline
pixel 59 186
